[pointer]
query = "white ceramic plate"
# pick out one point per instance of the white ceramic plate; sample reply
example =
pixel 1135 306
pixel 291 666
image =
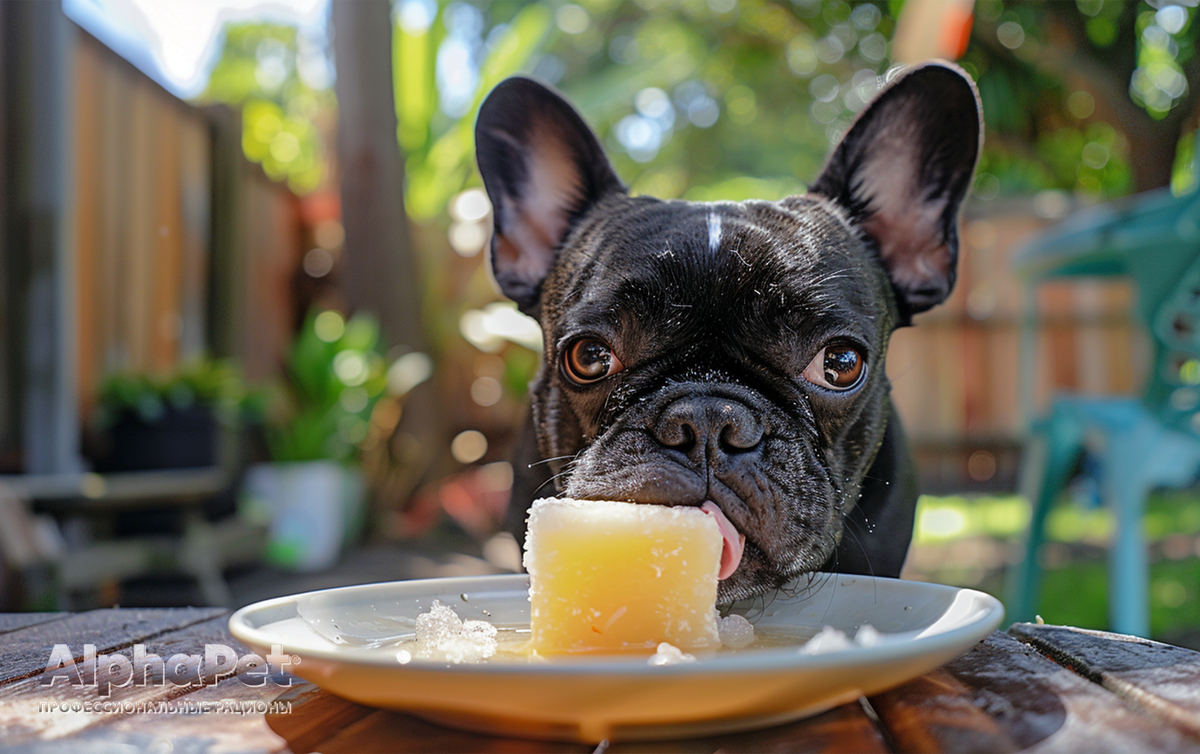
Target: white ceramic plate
pixel 618 698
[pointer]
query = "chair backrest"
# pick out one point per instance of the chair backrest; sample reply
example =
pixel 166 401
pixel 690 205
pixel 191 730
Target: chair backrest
pixel 1173 387
pixel 1153 238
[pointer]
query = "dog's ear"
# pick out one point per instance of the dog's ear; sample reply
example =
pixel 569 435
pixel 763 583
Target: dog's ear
pixel 542 168
pixel 902 171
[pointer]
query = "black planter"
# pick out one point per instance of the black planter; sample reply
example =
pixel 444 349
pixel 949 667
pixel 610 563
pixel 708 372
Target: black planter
pixel 179 439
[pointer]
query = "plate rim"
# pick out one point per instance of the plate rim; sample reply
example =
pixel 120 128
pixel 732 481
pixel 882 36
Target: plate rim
pixel 767 660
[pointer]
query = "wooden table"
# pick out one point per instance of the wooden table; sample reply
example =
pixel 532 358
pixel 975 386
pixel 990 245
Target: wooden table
pixel 1049 688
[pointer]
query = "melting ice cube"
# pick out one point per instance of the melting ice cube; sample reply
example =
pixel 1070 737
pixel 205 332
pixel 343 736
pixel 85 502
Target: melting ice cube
pixel 735 631
pixel 669 654
pixel 829 640
pixel 444 637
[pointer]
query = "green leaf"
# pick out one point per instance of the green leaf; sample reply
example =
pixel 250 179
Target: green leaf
pixel 434 177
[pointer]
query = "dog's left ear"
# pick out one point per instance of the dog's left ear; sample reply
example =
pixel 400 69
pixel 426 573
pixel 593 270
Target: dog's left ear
pixel 902 172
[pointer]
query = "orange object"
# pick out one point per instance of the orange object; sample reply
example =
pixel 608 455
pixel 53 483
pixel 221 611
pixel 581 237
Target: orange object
pixel 932 29
pixel 621 577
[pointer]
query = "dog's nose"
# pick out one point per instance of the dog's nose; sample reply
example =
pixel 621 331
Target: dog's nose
pixel 708 424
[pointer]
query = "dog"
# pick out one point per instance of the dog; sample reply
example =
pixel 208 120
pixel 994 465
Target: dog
pixel 730 355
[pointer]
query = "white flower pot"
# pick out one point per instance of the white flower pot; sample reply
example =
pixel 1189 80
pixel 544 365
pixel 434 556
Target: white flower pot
pixel 313 508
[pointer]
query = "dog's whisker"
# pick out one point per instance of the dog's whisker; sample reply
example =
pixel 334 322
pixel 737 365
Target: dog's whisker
pixel 559 475
pixel 552 460
pixel 866 556
pixel 832 577
pixel 877 479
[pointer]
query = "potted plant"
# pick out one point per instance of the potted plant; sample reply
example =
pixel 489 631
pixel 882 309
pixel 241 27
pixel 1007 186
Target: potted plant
pixel 312 492
pixel 166 421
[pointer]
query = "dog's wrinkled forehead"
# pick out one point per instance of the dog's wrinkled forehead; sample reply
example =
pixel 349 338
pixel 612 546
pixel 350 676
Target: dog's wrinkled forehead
pixel 715 267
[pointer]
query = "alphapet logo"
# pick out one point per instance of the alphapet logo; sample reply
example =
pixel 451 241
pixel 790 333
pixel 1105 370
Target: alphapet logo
pixel 104 672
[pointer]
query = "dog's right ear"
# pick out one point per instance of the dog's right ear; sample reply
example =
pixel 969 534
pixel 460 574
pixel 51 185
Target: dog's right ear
pixel 542 168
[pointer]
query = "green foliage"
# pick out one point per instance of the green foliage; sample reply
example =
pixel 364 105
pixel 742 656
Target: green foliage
pixel 757 88
pixel 260 69
pixel 1050 76
pixel 745 99
pixel 1158 83
pixel 1091 160
pixel 441 152
pixel 1183 176
pixel 618 60
pixel 335 376
pixel 1075 585
pixel 215 383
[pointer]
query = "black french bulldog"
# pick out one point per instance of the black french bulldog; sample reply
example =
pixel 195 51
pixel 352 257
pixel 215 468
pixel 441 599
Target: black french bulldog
pixel 731 352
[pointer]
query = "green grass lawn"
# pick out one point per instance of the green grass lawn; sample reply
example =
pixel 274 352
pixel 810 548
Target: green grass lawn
pixel 976 542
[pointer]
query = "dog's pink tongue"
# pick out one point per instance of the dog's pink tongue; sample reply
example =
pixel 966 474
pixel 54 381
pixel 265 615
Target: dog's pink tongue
pixel 735 542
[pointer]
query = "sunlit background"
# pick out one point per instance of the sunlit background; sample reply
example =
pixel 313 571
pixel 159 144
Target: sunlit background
pixel 213 252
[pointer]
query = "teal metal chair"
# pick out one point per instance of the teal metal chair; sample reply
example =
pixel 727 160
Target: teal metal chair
pixel 1137 443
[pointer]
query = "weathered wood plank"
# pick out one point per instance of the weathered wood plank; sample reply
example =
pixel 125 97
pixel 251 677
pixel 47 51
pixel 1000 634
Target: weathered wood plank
pixel 16 621
pixel 844 728
pixel 224 718
pixel 315 716
pixel 384 731
pixel 1161 679
pixel 25 652
pixel 1030 699
pixel 31 710
pixel 937 712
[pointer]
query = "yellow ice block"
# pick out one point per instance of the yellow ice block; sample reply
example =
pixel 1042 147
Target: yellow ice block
pixel 621 577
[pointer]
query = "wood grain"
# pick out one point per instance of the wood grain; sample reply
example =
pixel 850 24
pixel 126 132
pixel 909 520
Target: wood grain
pixel 231 721
pixel 1029 700
pixel 30 709
pixel 937 712
pixel 24 652
pixel 15 621
pixel 845 728
pixel 316 716
pixel 1159 678
pixel 1089 694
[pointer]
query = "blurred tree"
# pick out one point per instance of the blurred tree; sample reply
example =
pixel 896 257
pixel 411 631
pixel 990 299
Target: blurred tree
pixel 381 272
pixel 735 99
pixel 1080 82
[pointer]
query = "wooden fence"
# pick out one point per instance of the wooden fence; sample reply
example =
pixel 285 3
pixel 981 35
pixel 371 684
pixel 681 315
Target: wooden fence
pixel 134 235
pixel 957 375
pixel 183 247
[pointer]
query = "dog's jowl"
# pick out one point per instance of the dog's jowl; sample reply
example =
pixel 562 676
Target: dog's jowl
pixel 732 353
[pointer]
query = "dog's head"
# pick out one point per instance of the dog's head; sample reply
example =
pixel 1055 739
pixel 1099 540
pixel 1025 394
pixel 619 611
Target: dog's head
pixel 727 352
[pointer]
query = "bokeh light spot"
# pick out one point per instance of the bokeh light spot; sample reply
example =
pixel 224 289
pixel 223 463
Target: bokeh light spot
pixel 318 263
pixel 329 326
pixel 468 446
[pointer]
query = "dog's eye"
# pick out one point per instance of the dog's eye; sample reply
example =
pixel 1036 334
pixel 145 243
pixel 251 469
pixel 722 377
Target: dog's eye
pixel 838 366
pixel 590 360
